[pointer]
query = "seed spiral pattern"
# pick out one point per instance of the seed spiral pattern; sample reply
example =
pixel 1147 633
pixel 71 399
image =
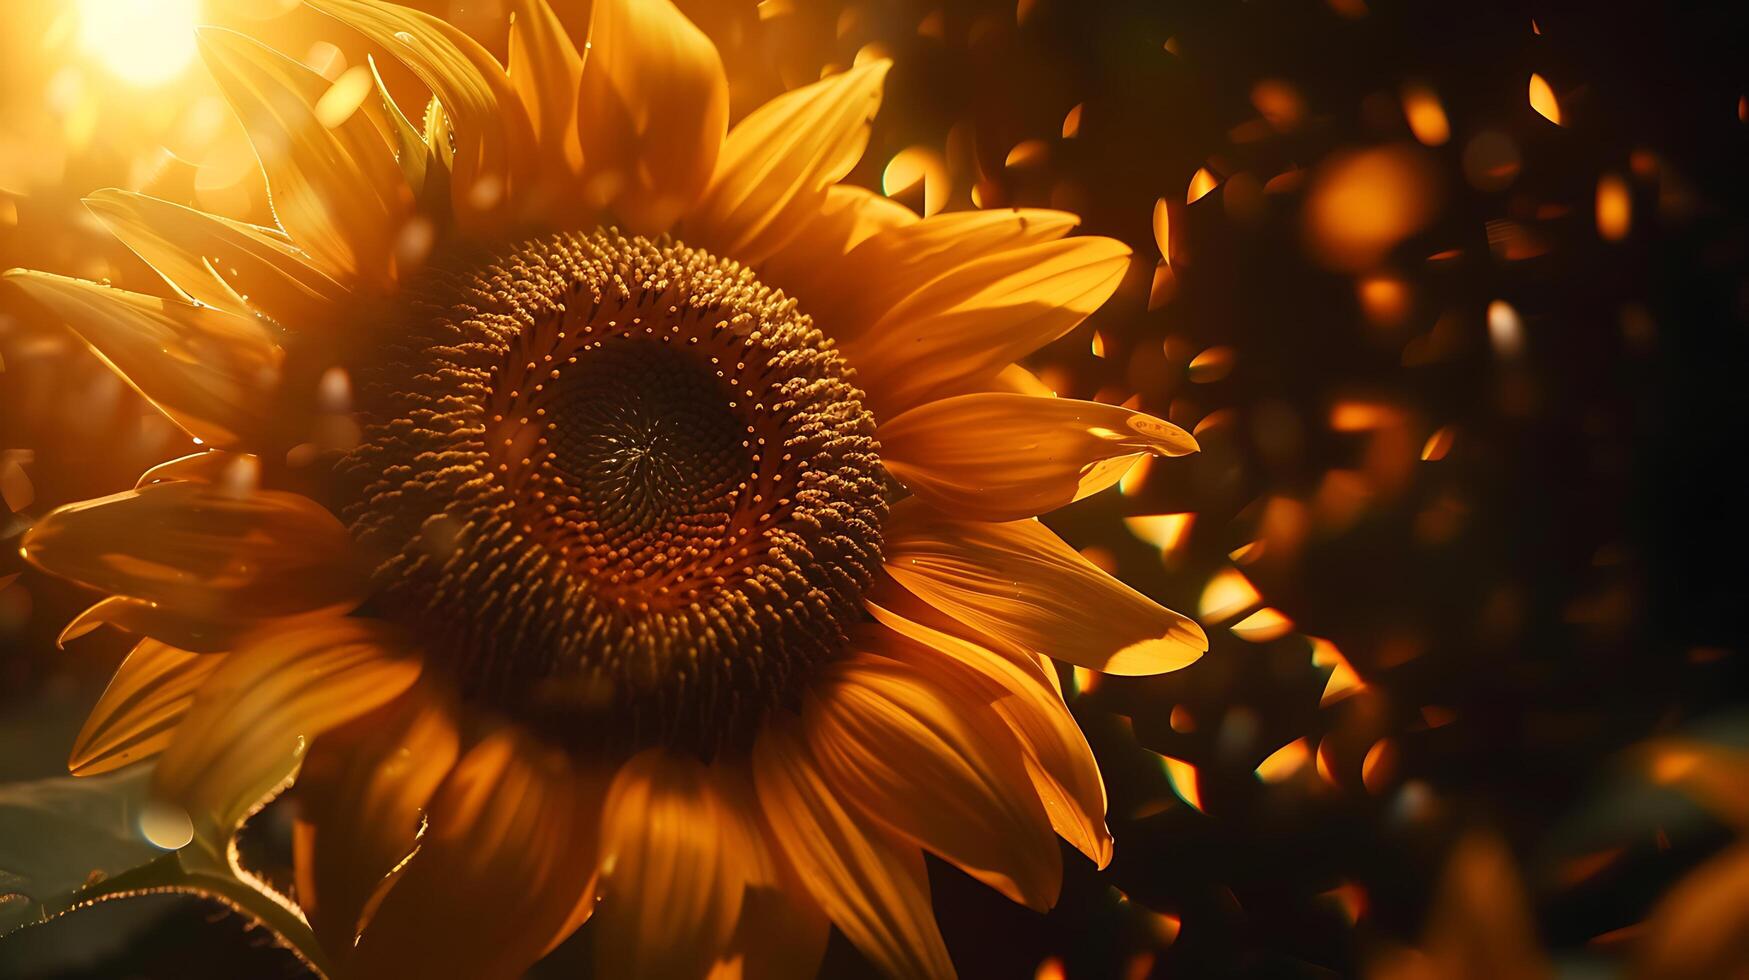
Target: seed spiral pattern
pixel 622 490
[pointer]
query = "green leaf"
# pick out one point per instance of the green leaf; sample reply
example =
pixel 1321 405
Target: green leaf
pixel 69 843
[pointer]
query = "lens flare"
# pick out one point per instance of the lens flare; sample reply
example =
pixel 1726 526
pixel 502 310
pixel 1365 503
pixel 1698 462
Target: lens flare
pixel 145 42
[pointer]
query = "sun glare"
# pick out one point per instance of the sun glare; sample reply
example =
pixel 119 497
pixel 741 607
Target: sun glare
pixel 146 42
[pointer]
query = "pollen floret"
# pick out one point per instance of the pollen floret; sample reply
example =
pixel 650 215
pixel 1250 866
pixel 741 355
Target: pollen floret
pixel 626 492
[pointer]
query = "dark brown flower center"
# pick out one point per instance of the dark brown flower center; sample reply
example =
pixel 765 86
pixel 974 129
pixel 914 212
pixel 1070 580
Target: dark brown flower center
pixel 623 491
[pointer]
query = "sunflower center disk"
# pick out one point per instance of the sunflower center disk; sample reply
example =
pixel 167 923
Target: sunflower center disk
pixel 622 490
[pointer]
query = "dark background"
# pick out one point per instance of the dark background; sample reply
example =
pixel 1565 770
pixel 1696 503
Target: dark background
pixel 1528 616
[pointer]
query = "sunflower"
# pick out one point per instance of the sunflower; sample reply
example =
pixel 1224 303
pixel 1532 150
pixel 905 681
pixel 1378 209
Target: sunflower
pixel 603 512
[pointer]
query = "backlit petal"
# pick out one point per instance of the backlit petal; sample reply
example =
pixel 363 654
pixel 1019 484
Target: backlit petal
pixel 211 372
pixel 1020 583
pixel 671 880
pixel 141 707
pixel 1003 457
pixel 960 330
pixel 652 113
pixel 336 190
pixel 223 263
pixel 872 885
pixel 939 770
pixel 254 717
pixel 199 551
pixel 505 865
pixel 778 163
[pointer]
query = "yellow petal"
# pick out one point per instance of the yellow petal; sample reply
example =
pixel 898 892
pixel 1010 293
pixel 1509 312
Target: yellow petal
pixel 872 885
pixel 494 139
pixel 196 551
pixel 252 720
pixel 652 113
pixel 1002 457
pixel 671 882
pixel 362 791
pixel 847 218
pixel 963 328
pixel 1020 583
pixel 897 262
pixel 778 163
pixel 501 873
pixel 211 372
pixel 1023 692
pixel 337 191
pixel 140 709
pixel 546 71
pixel 938 770
pixel 227 264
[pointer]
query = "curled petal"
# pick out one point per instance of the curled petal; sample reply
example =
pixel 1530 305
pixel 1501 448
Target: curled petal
pixel 1020 583
pixel 778 163
pixel 140 709
pixel 209 371
pixel 872 885
pixel 253 718
pixel 198 551
pixel 653 108
pixel 1002 457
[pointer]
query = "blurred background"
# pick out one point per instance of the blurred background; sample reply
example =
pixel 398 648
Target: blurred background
pixel 1453 297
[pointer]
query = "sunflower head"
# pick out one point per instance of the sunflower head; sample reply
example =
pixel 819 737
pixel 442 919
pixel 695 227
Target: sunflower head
pixel 685 577
pixel 624 491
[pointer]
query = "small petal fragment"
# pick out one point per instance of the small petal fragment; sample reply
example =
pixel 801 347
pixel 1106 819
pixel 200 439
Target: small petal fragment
pixel 140 709
pixel 939 771
pixel 1003 457
pixel 652 113
pixel 1020 583
pixel 252 720
pixel 211 372
pixel 778 163
pixel 871 885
